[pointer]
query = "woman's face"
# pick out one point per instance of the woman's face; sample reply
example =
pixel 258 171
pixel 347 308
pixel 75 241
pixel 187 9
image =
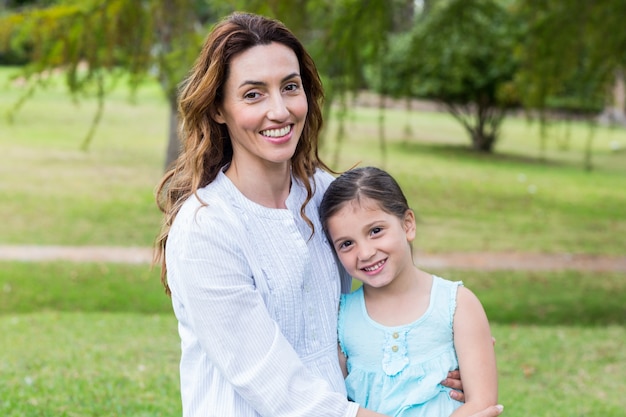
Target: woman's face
pixel 264 105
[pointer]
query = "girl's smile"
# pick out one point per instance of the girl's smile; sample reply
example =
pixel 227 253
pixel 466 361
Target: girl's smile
pixel 374 269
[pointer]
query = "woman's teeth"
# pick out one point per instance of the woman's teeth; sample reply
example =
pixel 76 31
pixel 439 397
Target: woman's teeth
pixel 276 133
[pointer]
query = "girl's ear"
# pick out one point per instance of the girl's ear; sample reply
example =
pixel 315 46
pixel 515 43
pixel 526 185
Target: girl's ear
pixel 409 225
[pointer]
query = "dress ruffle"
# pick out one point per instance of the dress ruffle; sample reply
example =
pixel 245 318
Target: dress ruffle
pixel 417 383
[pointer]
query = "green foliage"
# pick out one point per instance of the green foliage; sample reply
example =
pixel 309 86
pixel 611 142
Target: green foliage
pixel 570 51
pixel 92 41
pixel 87 37
pixel 462 52
pixel 460 55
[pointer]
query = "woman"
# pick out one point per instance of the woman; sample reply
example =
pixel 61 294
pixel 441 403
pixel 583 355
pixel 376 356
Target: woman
pixel 254 284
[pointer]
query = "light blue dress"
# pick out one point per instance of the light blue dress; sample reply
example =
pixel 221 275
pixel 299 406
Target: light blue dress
pixel 397 370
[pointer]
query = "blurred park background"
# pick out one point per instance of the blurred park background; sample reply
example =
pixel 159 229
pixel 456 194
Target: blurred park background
pixel 503 120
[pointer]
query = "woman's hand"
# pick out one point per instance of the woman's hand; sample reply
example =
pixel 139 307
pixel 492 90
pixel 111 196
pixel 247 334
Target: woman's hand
pixel 492 411
pixel 454 381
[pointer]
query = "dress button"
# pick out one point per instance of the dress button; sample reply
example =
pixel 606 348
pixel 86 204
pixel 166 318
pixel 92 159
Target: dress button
pixel 396 335
pixel 394 348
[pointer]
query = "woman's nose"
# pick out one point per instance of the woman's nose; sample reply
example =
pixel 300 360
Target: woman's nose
pixel 278 109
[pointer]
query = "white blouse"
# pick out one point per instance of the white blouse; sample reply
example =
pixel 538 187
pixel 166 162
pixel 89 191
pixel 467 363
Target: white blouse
pixel 256 300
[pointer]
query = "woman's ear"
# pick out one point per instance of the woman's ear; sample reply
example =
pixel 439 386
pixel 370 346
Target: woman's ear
pixel 409 225
pixel 217 116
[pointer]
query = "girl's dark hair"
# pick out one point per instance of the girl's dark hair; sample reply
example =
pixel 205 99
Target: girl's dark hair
pixel 363 183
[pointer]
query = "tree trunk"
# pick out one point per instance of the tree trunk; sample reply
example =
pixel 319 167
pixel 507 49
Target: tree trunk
pixel 615 111
pixel 173 142
pixel 482 141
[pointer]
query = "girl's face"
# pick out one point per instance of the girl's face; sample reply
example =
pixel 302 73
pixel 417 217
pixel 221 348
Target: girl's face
pixel 373 245
pixel 264 105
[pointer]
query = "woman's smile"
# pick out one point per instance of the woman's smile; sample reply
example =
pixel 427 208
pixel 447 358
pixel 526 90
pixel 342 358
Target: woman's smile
pixel 278 136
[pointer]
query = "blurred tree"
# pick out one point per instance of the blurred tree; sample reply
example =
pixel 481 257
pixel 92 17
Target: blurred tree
pixel 572 50
pixel 460 54
pixel 355 36
pixel 572 56
pixel 93 42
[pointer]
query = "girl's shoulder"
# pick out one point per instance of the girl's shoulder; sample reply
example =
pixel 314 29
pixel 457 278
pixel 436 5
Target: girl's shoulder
pixel 445 287
pixel 444 296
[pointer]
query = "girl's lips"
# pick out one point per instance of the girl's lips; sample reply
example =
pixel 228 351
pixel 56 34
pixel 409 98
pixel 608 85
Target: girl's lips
pixel 374 268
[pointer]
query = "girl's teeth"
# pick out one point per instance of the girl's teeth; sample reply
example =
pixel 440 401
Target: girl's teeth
pixel 276 133
pixel 375 267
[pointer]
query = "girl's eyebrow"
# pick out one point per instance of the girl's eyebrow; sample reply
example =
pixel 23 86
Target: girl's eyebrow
pixel 339 239
pixel 367 226
pixel 261 83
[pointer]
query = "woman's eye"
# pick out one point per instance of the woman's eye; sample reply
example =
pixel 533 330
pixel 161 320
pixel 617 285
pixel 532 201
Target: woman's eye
pixel 251 95
pixel 291 87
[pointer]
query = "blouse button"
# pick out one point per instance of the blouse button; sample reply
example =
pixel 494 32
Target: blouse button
pixel 394 348
pixel 396 335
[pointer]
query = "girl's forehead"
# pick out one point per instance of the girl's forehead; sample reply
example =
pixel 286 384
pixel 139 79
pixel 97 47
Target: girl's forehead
pixel 363 203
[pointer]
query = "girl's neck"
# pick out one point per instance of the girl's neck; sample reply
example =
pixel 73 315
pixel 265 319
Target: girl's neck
pixel 268 186
pixel 399 304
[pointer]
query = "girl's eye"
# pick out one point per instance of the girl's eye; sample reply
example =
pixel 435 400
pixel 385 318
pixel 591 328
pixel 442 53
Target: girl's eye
pixel 376 230
pixel 345 245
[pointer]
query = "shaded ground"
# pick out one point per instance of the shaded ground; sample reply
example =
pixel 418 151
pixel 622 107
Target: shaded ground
pixel 483 261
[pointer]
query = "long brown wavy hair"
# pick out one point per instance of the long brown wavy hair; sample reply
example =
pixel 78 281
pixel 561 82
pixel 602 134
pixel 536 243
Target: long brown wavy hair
pixel 205 144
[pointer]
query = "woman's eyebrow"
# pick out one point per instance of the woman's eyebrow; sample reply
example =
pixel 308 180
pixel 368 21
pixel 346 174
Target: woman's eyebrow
pixel 262 83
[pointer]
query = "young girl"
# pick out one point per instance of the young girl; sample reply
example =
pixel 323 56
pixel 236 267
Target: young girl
pixel 403 329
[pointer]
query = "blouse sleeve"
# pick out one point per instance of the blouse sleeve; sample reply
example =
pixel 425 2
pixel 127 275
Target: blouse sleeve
pixel 212 278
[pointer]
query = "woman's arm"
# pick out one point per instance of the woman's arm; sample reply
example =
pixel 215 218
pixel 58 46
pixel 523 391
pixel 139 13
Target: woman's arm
pixel 477 361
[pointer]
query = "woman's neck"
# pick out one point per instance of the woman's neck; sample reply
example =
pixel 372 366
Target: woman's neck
pixel 268 186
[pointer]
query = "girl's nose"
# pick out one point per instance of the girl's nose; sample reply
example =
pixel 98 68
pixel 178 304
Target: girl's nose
pixel 366 252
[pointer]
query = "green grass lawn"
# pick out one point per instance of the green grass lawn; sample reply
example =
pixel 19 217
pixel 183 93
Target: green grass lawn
pixel 89 364
pixel 126 364
pixel 100 340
